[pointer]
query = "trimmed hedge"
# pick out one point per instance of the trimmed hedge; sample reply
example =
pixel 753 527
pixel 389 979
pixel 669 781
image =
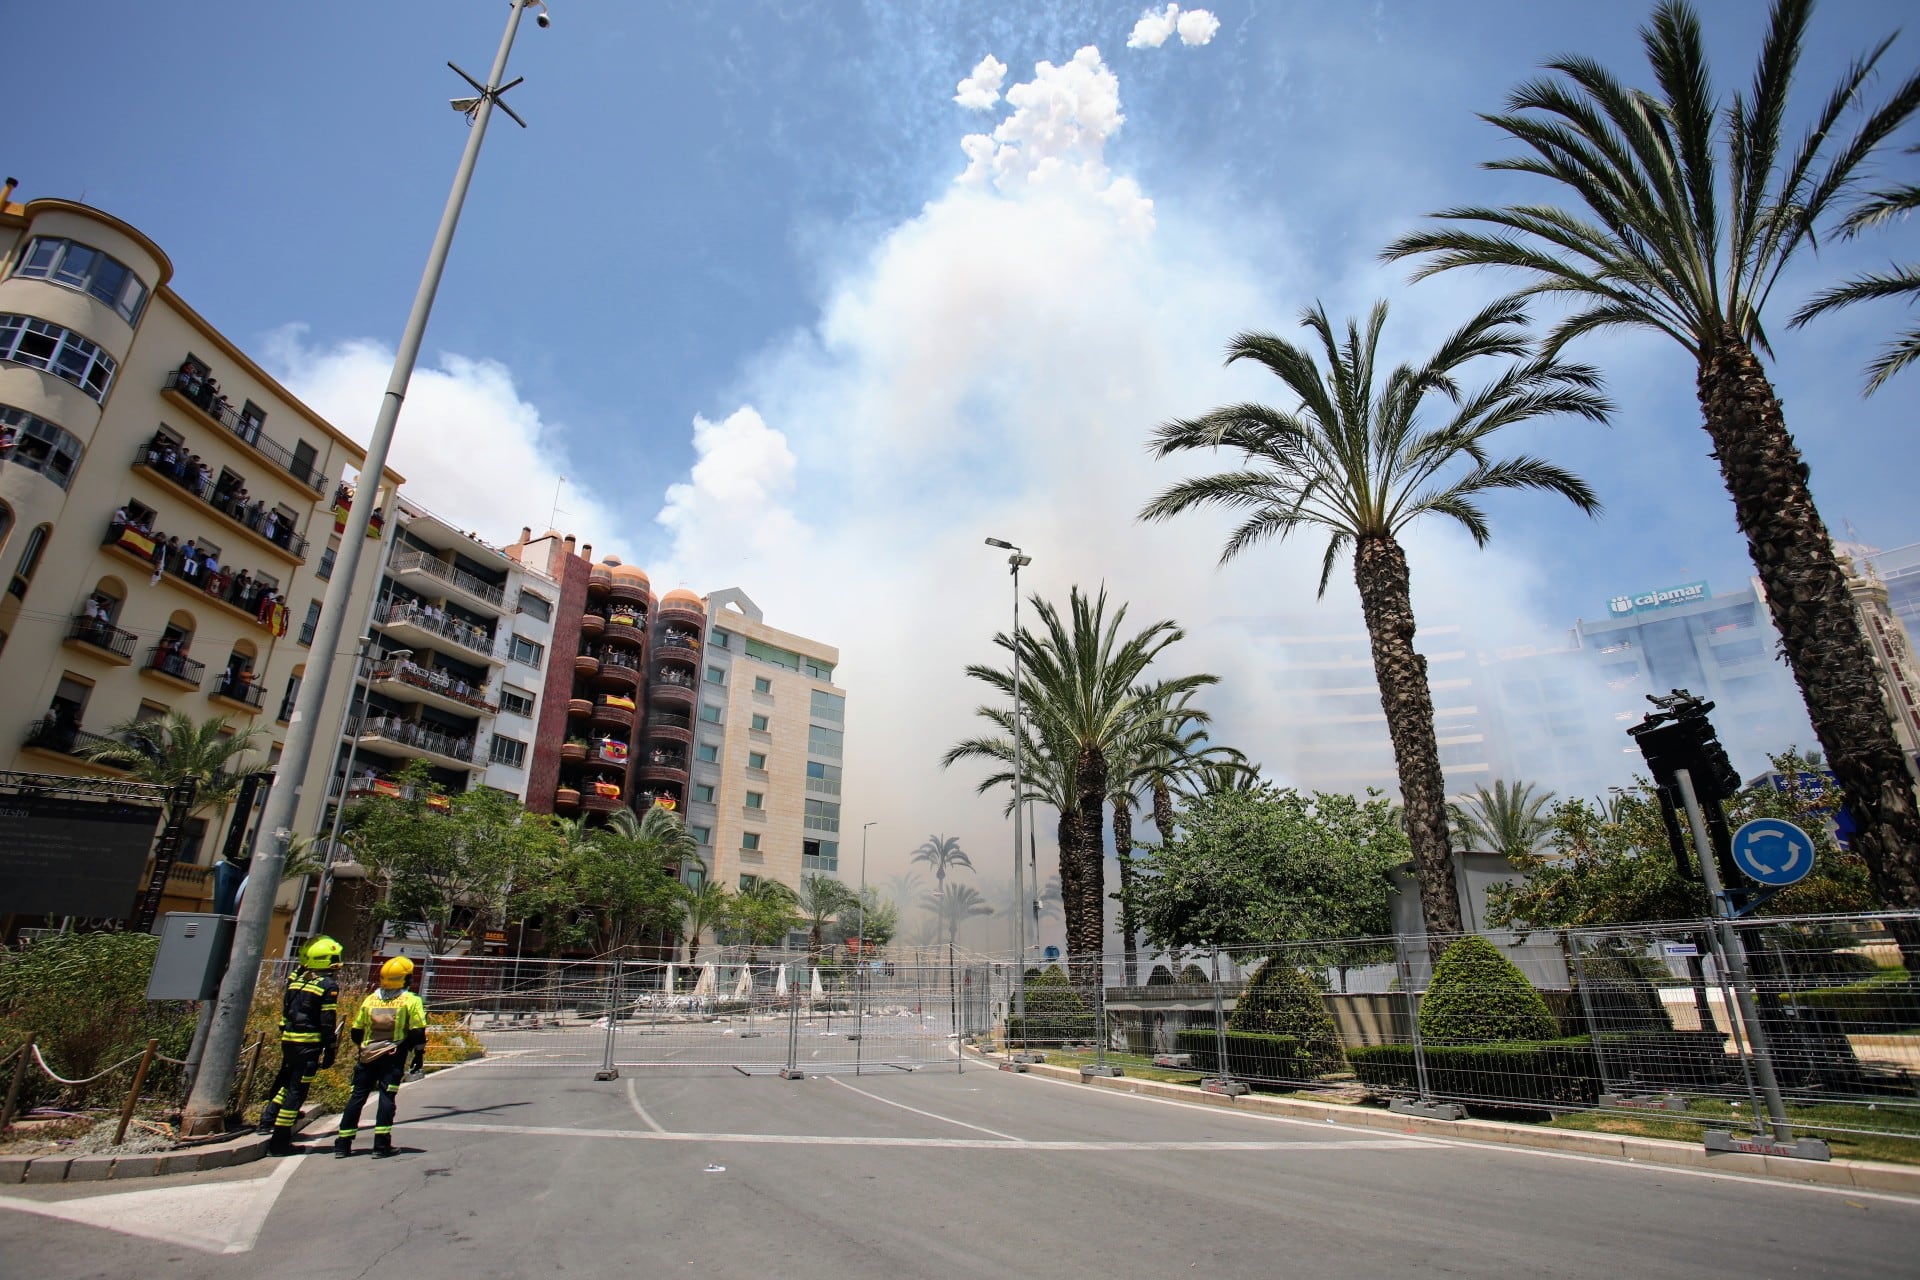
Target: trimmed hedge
pixel 1251 1055
pixel 1478 996
pixel 1280 1000
pixel 1056 1013
pixel 1877 1006
pixel 1553 1072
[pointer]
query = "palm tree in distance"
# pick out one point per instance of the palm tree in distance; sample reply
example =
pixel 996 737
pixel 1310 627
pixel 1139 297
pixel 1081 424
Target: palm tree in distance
pixel 822 900
pixel 955 907
pixel 1510 821
pixel 1655 249
pixel 1873 210
pixel 169 749
pixel 1357 460
pixel 942 853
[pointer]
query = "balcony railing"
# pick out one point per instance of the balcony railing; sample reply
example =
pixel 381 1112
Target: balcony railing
pixel 434 680
pixel 102 635
pixel 396 612
pixel 234 689
pixel 675 641
pixel 408 733
pixel 169 662
pixel 49 733
pixel 667 720
pixel 408 561
pixel 307 629
pixel 203 392
pixel 170 464
pixel 241 591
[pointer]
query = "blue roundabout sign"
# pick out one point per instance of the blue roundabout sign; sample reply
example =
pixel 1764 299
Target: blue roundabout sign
pixel 1773 851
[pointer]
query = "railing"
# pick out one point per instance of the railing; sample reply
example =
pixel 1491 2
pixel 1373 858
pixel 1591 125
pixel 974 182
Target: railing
pixel 242 590
pixel 400 612
pixel 307 629
pixel 102 635
pixel 407 561
pixel 407 733
pixel 177 665
pixel 245 691
pixel 49 734
pixel 325 570
pixel 678 642
pixel 614 658
pixel 437 681
pixel 171 466
pixel 667 720
pixel 204 394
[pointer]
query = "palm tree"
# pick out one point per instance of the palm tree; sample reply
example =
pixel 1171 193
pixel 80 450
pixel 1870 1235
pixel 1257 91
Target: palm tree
pixel 706 908
pixel 941 853
pixel 1656 250
pixel 169 749
pixel 820 901
pixel 1212 776
pixel 1081 696
pixel 955 907
pixel 1510 821
pixel 1875 208
pixel 763 913
pixel 1355 460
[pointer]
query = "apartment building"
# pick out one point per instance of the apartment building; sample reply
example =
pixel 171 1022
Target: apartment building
pixel 168 511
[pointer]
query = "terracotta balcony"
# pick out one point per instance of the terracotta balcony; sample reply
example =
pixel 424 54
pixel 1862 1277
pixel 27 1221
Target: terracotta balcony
pixel 586 666
pixel 592 624
pixel 616 676
pixel 598 581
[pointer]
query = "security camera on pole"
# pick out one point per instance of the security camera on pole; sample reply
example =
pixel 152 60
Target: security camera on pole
pixel 207 1107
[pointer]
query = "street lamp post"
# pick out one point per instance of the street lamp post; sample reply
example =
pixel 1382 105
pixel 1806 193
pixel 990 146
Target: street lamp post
pixel 359 722
pixel 860 957
pixel 1016 562
pixel 206 1109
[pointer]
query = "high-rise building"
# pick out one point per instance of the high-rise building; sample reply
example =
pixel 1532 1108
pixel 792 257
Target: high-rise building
pixel 168 511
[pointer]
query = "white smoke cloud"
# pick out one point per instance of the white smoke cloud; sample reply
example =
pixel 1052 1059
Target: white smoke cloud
pixel 1194 26
pixel 729 519
pixel 981 90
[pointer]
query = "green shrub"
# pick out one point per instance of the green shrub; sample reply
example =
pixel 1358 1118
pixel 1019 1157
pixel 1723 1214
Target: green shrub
pixel 1618 993
pixel 1890 1004
pixel 1194 976
pixel 1056 1012
pixel 1478 996
pixel 1546 1072
pixel 1251 1055
pixel 1281 1000
pixel 83 997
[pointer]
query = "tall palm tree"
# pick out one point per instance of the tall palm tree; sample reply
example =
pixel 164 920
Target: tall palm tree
pixel 1046 773
pixel 706 908
pixel 1358 459
pixel 1874 209
pixel 1656 250
pixel 1081 691
pixel 942 853
pixel 1210 777
pixel 1166 768
pixel 169 749
pixel 955 907
pixel 821 901
pixel 1508 820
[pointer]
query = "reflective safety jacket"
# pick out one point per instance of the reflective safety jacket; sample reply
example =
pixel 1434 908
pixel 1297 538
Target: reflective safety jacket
pixel 310 1008
pixel 398 1016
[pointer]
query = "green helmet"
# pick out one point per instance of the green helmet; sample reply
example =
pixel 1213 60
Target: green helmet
pixel 321 953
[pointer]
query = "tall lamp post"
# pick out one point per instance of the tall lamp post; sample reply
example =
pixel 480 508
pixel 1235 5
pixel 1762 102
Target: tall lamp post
pixel 860 960
pixel 206 1109
pixel 1016 562
pixel 359 723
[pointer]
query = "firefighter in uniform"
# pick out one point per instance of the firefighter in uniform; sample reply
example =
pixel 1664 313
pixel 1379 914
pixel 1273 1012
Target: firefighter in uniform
pixel 308 1014
pixel 391 1024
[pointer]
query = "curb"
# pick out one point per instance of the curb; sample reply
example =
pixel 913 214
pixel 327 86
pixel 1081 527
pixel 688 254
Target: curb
pixel 242 1148
pixel 1865 1175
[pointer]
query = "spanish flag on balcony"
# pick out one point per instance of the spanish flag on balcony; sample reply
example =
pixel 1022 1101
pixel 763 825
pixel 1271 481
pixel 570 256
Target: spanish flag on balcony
pixel 614 750
pixel 617 702
pixel 277 620
pixel 135 541
pixel 624 619
pixel 383 787
pixel 665 802
pixel 442 803
pixel 611 790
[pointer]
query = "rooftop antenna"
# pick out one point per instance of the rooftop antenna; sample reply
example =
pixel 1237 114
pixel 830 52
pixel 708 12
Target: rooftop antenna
pixel 553 522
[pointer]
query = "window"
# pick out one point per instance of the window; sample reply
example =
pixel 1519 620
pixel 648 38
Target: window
pixel 507 751
pixel 762 685
pixel 703 835
pixel 703 792
pixel 709 713
pixel 824 742
pixel 721 640
pixel 760 724
pixel 716 675
pixel 40 446
pixel 819 670
pixel 312 623
pixel 823 778
pixel 773 655
pixel 286 703
pixel 60 351
pixel 756 799
pixel 536 606
pixel 526 651
pixel 757 760
pixel 823 815
pixel 750 841
pixel 820 855
pixel 747 882
pixel 327 558
pixel 828 706
pixel 29 560
pixel 69 263
pixel 515 701
pixel 709 752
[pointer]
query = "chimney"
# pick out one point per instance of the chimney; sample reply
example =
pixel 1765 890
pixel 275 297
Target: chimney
pixel 586 553
pixel 6 192
pixel 526 533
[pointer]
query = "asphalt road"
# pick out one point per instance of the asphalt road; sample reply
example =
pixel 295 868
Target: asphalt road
pixel 531 1169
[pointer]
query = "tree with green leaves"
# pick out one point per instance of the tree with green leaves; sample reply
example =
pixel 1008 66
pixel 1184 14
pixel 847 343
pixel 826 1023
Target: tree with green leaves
pixel 615 885
pixel 942 854
pixel 707 907
pixel 168 749
pixel 1507 820
pixel 762 914
pixel 874 919
pixel 1873 210
pixel 953 908
pixel 1359 458
pixel 1687 210
pixel 822 899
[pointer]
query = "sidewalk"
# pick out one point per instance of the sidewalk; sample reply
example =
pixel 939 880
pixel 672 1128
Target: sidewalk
pixel 226 1152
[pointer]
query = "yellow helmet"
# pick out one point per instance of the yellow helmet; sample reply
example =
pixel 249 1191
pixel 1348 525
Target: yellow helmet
pixel 321 953
pixel 395 972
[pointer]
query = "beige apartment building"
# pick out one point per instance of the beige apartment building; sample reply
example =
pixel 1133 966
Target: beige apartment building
pixel 168 511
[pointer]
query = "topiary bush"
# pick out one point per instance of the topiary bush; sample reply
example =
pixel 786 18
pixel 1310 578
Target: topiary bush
pixel 1194 976
pixel 1554 1072
pixel 1056 1013
pixel 1478 996
pixel 1251 1055
pixel 1281 1000
pixel 1160 977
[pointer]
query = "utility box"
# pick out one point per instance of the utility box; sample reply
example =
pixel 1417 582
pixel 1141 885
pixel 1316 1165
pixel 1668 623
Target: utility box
pixel 193 956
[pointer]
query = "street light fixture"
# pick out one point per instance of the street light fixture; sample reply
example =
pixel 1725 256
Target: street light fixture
pixel 1015 563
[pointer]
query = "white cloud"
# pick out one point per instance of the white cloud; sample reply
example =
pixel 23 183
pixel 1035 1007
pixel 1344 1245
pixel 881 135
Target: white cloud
pixel 1155 28
pixel 729 520
pixel 472 450
pixel 981 90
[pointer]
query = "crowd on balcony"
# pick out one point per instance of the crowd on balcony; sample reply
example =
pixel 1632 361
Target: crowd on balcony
pixel 667 759
pixel 431 617
pixel 414 734
pixel 227 494
pixel 680 638
pixel 196 382
pixel 438 679
pixel 669 675
pixel 200 567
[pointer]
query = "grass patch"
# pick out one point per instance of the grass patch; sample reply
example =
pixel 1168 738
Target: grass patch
pixel 1135 1065
pixel 1837 1122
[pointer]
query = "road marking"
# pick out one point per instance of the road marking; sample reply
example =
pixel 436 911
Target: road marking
pixel 215 1217
pixel 917 1111
pixel 951 1144
pixel 641 1111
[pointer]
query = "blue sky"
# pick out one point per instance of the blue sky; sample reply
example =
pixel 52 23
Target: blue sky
pixel 730 287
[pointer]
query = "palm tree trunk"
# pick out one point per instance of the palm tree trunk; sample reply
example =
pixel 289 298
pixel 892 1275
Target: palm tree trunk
pixel 1123 850
pixel 1819 628
pixel 1163 810
pixel 1380 571
pixel 1085 903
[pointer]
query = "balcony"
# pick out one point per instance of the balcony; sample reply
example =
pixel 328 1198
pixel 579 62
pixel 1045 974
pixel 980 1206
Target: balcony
pixel 246 694
pixel 627 591
pixel 682 612
pixel 599 582
pixel 411 682
pixel 261 524
pixel 659 766
pixel 586 666
pixel 240 595
pixel 609 751
pixel 680 640
pixel 591 625
pixel 101 639
pixel 49 734
pixel 611 715
pixel 618 673
pixel 566 800
pixel 594 802
pixel 169 666
pixel 195 390
pixel 676 691
pixel 580 707
pixel 665 726
pixel 426 624
pixel 422 565
pixel 419 742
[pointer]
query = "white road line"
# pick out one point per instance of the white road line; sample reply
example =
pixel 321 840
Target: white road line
pixel 917 1111
pixel 634 1098
pixel 212 1217
pixel 949 1144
